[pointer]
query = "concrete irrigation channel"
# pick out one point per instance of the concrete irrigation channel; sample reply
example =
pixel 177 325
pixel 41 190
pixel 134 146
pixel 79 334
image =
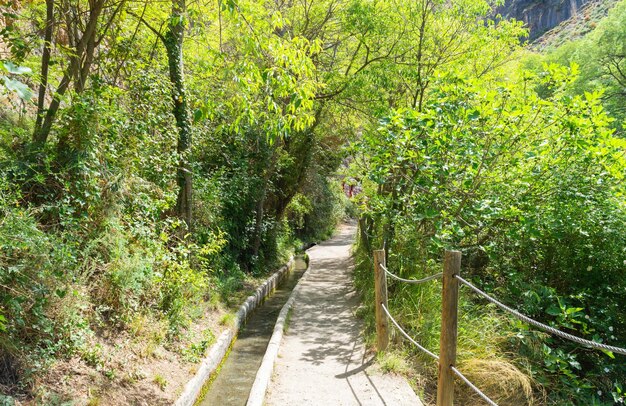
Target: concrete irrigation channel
pixel 233 383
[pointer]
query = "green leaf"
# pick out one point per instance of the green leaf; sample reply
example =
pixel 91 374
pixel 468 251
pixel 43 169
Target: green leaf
pixel 16 70
pixel 18 87
pixel 553 310
pixel 575 364
pixel 609 353
pixel 572 310
pixel 229 5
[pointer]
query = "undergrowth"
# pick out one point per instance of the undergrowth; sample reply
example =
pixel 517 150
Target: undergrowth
pixel 90 252
pixel 483 353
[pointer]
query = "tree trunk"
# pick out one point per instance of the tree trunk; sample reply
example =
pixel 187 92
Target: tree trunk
pixel 302 151
pixel 80 62
pixel 364 230
pixel 45 63
pixel 173 41
pixel 258 224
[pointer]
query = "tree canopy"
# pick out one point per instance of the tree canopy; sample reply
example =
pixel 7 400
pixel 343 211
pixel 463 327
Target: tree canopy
pixel 157 156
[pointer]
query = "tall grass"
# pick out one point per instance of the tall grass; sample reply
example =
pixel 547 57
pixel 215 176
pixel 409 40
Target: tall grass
pixel 483 337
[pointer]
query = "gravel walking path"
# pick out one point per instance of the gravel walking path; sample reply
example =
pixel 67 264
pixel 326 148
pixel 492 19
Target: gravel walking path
pixel 322 359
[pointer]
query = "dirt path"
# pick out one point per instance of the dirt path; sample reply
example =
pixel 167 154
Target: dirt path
pixel 322 358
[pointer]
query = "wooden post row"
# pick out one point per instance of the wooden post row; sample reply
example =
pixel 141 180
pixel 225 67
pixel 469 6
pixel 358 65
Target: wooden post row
pixel 380 289
pixel 449 314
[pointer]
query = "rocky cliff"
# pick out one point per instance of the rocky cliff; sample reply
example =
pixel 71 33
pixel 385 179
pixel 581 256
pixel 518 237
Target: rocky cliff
pixel 541 15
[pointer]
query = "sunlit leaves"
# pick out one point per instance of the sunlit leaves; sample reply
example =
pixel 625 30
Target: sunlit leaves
pixel 602 59
pixel 272 77
pixel 21 89
pixel 17 70
pixel 474 152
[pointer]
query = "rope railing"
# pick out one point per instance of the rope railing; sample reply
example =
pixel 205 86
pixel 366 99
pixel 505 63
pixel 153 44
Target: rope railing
pixel 413 281
pixel 545 327
pixel 404 333
pixel 447 356
pixel 448 341
pixel 472 386
pixel 436 358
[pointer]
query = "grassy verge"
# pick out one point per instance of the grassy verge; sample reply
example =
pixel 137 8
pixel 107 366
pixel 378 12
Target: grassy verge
pixel 482 354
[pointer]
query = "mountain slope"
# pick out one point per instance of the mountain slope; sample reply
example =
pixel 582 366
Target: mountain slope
pixel 541 16
pixel 581 23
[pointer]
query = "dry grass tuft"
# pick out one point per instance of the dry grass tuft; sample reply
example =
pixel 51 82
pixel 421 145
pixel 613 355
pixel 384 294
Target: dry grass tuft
pixel 499 379
pixel 148 333
pixel 393 362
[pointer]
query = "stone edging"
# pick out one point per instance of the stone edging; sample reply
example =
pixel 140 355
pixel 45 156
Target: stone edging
pixel 218 350
pixel 264 374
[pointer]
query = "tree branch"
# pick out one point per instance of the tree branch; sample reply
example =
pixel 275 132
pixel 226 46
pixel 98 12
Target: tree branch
pixel 151 28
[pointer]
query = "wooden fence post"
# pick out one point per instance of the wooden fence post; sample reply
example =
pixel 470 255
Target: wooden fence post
pixel 380 288
pixel 449 313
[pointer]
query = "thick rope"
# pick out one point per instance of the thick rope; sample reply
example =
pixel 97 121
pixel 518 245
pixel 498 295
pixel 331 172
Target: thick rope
pixel 542 326
pixel 404 333
pixel 471 385
pixel 435 357
pixel 413 281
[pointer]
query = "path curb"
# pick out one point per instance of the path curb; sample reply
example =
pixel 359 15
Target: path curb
pixel 217 352
pixel 264 373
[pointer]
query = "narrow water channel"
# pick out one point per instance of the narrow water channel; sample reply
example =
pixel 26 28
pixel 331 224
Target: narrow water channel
pixel 232 385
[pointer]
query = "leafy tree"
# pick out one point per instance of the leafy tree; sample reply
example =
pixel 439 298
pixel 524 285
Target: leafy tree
pixel 424 104
pixel 173 42
pixel 513 179
pixel 601 58
pixel 85 31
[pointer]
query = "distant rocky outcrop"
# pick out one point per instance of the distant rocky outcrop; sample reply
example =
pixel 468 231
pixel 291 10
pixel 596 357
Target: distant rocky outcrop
pixel 579 25
pixel 541 15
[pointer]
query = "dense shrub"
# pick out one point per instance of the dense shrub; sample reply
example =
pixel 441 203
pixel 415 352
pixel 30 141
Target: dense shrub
pixel 534 201
pixel 89 240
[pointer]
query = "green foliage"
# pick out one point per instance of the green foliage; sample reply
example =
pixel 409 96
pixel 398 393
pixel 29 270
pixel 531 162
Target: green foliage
pixel 160 381
pixel 32 277
pixel 452 144
pixel 298 207
pixel 181 287
pixel 600 55
pixel 14 85
pixel 328 207
pixel 531 189
pixel 196 351
pixel 391 362
pixel 90 233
